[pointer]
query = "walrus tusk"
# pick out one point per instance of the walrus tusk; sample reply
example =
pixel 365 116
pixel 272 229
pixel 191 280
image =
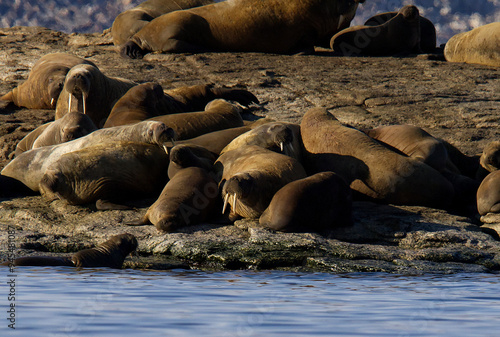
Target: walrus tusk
pixel 281 146
pixel 235 200
pixel 52 101
pixel 165 147
pixel 225 203
pixel 69 103
pixel 173 141
pixel 84 103
pixel 341 21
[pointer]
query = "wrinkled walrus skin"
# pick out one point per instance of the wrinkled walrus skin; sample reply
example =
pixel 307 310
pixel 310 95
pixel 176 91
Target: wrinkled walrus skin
pixel 272 26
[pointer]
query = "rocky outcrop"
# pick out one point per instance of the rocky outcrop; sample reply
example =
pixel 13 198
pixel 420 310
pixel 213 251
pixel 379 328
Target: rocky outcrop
pixel 456 102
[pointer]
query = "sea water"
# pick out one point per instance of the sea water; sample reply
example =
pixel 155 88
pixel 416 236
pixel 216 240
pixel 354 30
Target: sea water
pixel 103 302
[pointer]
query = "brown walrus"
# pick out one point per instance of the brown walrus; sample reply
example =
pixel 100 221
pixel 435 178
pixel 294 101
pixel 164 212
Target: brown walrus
pixel 413 142
pixel 480 46
pixel 320 202
pixel 116 171
pixel 72 126
pixel 148 100
pixel 251 175
pixel 275 136
pixel 110 253
pixel 397 35
pixel 488 194
pixel 86 89
pixel 219 114
pixel 30 166
pixel 427 30
pixel 131 21
pixel 490 158
pixel 45 82
pixel 189 155
pixel 187 199
pixel 371 168
pixel 272 26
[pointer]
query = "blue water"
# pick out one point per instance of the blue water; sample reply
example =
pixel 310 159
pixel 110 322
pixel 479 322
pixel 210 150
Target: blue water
pixel 102 302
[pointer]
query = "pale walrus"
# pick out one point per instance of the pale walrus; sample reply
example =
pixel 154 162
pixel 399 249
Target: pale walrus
pixel 413 142
pixel 320 202
pixel 110 253
pixel 72 126
pixel 219 114
pixel 86 89
pixel 131 21
pixel 187 199
pixel 251 175
pixel 427 30
pixel 45 82
pixel 480 46
pixel 148 100
pixel 114 171
pixel 272 26
pixel 371 168
pixel 488 194
pixel 276 136
pixel 30 166
pixel 399 34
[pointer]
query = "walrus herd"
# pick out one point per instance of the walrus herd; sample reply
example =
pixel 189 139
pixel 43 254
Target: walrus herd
pixel 114 140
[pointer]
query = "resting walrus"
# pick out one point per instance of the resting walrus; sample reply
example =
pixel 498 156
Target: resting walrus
pixel 30 166
pixel 45 82
pixel 72 126
pixel 371 168
pixel 272 26
pixel 480 45
pixel 86 89
pixel 397 35
pixel 110 253
pixel 131 21
pixel 251 175
pixel 488 194
pixel 111 171
pixel 148 100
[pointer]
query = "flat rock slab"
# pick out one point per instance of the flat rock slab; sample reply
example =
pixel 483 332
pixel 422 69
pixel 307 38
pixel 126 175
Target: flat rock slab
pixel 457 102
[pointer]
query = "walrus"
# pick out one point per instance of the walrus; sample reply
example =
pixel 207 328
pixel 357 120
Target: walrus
pixel 272 26
pixel 30 166
pixel 397 35
pixel 189 155
pixel 427 30
pixel 71 126
pixel 490 158
pixel 218 114
pixel 251 175
pixel 148 100
pixel 372 169
pixel 319 202
pixel 187 199
pixel 480 46
pixel 413 142
pixel 129 22
pixel 466 165
pixel 110 253
pixel 488 194
pixel 114 171
pixel 276 136
pixel 45 82
pixel 86 89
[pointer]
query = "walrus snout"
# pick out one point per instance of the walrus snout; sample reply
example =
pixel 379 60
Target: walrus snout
pixel 410 12
pixel 132 50
pixel 161 133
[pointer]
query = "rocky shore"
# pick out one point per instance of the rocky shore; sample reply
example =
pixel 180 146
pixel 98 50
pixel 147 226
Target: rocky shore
pixel 457 102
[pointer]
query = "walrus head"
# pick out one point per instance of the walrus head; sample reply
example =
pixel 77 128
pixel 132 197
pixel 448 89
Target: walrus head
pixel 490 158
pixel 126 243
pixel 158 133
pixel 78 125
pixel 51 184
pixel 56 84
pixel 410 12
pixel 240 186
pixel 78 84
pixel 189 155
